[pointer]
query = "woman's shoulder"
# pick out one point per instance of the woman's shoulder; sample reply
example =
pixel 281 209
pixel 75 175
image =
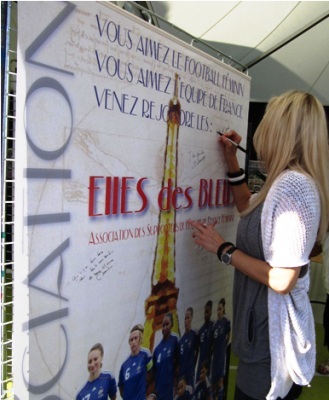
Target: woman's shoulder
pixel 291 191
pixel 107 375
pixel 174 337
pixel 145 352
pixel 292 176
pixel 293 183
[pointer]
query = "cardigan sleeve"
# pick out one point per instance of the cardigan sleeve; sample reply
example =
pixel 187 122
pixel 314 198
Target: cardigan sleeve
pixel 289 223
pixel 290 220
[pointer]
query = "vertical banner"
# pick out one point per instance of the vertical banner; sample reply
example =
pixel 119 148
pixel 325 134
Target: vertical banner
pixel 116 151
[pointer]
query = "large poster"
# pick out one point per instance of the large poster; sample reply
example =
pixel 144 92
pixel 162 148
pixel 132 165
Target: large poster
pixel 116 152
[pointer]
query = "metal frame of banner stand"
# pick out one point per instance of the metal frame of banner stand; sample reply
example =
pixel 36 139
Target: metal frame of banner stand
pixel 148 15
pixel 151 17
pixel 8 105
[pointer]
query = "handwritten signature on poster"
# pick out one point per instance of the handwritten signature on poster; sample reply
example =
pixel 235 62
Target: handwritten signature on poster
pixel 197 157
pixel 99 266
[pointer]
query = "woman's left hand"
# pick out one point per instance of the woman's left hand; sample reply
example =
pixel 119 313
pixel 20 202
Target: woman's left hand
pixel 206 236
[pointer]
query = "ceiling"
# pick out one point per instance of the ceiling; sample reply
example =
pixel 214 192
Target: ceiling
pixel 283 44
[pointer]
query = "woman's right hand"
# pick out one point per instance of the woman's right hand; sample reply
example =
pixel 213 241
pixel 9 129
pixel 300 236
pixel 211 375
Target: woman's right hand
pixel 230 150
pixel 241 193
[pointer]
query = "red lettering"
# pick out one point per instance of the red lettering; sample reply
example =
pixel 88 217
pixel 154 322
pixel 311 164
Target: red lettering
pixel 169 197
pixel 108 192
pixel 214 194
pixel 188 198
pixel 175 194
pixel 142 195
pixel 92 189
pixel 116 194
pixel 124 189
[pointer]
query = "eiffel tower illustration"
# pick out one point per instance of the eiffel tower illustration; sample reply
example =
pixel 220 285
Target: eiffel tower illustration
pixel 164 294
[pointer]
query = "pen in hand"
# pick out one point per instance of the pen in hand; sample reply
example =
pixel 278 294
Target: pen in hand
pixel 235 144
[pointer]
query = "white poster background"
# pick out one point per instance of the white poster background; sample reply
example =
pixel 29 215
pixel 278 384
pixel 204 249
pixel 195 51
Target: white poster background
pixel 94 83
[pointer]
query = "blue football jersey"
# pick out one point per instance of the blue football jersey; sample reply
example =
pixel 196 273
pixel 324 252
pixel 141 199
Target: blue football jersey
pixel 188 347
pixel 164 361
pixel 221 329
pixel 132 376
pixel 102 388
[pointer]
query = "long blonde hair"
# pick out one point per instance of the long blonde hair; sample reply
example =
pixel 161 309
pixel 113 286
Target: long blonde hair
pixel 293 135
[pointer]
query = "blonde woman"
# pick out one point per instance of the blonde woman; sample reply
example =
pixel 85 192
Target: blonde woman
pixel 273 326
